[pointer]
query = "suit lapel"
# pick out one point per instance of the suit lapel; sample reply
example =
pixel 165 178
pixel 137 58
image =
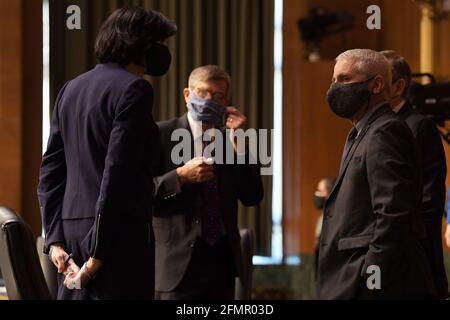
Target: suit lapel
pixel 353 149
pixel 383 109
pixel 183 123
pixel 349 158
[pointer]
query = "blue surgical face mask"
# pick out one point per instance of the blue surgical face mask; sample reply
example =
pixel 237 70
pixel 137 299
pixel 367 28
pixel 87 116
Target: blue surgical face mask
pixel 207 111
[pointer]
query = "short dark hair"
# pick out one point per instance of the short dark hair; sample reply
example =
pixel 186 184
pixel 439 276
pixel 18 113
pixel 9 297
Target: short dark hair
pixel 400 68
pixel 129 32
pixel 210 72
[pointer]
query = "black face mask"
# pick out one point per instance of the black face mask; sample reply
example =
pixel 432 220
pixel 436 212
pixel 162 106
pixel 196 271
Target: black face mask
pixel 319 202
pixel 345 100
pixel 158 60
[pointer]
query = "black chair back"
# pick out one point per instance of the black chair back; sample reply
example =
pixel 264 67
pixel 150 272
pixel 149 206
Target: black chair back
pixel 241 292
pixel 19 261
pixel 49 269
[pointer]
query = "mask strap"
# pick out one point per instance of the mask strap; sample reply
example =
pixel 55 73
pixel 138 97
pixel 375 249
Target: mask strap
pixel 192 93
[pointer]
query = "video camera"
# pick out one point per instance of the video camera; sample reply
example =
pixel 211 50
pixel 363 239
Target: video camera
pixel 321 23
pixel 432 99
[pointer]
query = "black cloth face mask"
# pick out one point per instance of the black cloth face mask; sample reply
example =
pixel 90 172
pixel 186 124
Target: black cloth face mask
pixel 158 60
pixel 319 202
pixel 345 100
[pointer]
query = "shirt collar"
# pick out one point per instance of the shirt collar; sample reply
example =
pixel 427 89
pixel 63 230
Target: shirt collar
pixel 197 134
pixel 399 106
pixel 196 127
pixel 362 123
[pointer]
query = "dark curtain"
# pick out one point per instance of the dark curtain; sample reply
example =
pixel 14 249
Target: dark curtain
pixel 234 34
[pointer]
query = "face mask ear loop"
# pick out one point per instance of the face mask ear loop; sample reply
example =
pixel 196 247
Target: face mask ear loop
pixel 192 93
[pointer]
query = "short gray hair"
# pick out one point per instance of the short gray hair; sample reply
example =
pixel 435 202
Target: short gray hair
pixel 370 63
pixel 210 73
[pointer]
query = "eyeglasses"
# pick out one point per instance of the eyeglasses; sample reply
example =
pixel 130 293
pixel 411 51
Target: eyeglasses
pixel 215 96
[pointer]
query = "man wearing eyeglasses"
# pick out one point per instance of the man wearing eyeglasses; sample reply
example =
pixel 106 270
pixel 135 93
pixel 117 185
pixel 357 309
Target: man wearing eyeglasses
pixel 198 251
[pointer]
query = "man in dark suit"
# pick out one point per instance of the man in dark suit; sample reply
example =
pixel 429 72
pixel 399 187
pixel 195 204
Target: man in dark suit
pixel 371 237
pixel 95 188
pixel 195 220
pixel 433 165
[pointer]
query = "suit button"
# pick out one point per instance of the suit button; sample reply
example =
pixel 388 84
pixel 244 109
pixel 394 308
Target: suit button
pixel 197 221
pixel 190 244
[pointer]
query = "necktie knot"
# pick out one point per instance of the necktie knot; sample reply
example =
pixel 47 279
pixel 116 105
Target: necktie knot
pixel 353 134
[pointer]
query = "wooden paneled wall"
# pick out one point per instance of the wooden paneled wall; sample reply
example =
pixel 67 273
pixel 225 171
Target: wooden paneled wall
pixel 10 103
pixel 313 137
pixel 20 106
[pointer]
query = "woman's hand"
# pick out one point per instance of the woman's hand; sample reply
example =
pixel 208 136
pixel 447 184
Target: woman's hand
pixel 59 257
pixel 79 280
pixel 76 280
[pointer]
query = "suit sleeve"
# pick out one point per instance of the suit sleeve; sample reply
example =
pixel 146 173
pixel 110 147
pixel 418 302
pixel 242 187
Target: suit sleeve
pixel 52 182
pixel 250 187
pixel 126 148
pixel 391 173
pixel 167 186
pixel 434 170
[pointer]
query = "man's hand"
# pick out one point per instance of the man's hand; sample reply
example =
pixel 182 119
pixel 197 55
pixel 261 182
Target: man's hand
pixel 447 235
pixel 235 119
pixel 58 256
pixel 195 171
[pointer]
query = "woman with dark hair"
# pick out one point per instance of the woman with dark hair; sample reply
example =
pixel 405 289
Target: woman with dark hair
pixel 95 178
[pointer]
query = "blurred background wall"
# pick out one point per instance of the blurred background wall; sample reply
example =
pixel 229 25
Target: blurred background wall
pixel 21 106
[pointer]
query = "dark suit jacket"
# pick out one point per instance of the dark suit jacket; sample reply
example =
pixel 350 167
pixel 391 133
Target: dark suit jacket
pixel 177 214
pixel 434 169
pixel 372 218
pixel 98 163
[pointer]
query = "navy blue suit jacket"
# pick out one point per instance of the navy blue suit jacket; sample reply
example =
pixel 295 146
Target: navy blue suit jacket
pixel 98 160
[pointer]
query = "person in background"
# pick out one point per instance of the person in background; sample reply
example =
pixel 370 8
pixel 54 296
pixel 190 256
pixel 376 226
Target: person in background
pixel 324 188
pixel 198 252
pixel 433 166
pixel 96 183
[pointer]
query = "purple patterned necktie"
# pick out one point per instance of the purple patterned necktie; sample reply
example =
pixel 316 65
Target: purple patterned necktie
pixel 211 223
